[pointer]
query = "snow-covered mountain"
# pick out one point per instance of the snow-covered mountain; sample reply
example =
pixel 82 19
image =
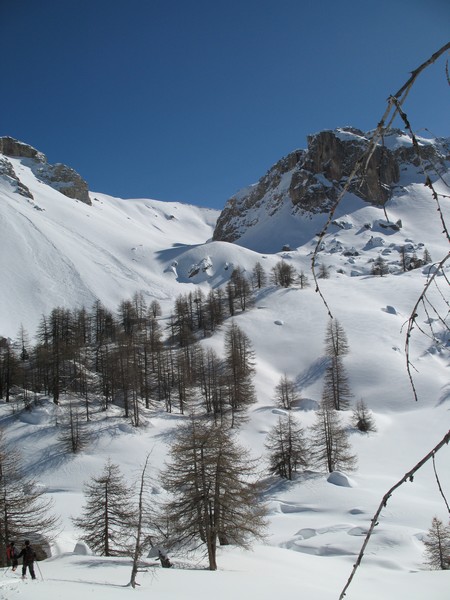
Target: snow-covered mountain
pixel 292 199
pixel 58 250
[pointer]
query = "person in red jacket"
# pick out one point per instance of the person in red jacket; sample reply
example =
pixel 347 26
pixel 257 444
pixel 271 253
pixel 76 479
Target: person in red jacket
pixel 11 555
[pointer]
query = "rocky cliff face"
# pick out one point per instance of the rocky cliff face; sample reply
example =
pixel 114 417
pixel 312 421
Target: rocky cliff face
pixel 310 180
pixel 60 177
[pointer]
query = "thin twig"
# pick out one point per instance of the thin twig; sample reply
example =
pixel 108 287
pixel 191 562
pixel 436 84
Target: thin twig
pixel 439 485
pixel 412 320
pixel 416 72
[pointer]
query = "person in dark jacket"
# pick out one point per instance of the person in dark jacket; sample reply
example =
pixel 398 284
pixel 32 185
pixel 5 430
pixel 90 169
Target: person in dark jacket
pixel 29 556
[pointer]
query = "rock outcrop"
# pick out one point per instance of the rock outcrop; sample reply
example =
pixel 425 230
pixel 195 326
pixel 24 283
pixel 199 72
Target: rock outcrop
pixel 7 171
pixel 60 177
pixel 66 180
pixel 309 181
pixel 11 147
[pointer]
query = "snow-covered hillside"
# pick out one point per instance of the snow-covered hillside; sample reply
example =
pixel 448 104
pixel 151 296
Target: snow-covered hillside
pixel 57 251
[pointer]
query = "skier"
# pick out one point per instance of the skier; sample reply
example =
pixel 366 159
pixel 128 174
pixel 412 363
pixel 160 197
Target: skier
pixel 29 556
pixel 11 555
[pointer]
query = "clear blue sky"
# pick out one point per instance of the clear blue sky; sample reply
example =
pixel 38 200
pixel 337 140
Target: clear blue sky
pixel 190 100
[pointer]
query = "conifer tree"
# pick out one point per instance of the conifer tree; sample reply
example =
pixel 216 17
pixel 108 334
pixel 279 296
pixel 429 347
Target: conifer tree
pixel 214 496
pixel 284 274
pixel 105 518
pixel 142 517
pixel 259 277
pixel 287 447
pixel 380 267
pixel 239 370
pixel 25 512
pixel 286 394
pixel 73 434
pixel 336 390
pixel 437 545
pixel 362 417
pixel 330 446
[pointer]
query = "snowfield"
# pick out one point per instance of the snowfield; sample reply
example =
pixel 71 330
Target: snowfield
pixel 59 252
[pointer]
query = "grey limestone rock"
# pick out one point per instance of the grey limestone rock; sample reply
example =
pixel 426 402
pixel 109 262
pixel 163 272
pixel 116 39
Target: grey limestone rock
pixel 60 177
pixel 311 180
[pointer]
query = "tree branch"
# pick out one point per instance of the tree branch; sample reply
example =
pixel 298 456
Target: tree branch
pixel 409 476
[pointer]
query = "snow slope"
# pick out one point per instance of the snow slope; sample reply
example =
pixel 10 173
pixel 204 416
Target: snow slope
pixel 56 251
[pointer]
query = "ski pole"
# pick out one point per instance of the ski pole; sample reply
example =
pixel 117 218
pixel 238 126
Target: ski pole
pixel 39 569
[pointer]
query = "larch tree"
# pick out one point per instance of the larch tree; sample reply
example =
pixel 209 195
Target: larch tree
pixel 259 277
pixel 9 368
pixel 141 521
pixel 25 512
pixel 336 388
pixel 105 518
pixel 286 394
pixel 239 370
pixel 379 267
pixel 284 274
pixel 287 446
pixel 336 342
pixel 73 433
pixel 210 381
pixel 362 417
pixel 437 545
pixel 214 493
pixel 330 446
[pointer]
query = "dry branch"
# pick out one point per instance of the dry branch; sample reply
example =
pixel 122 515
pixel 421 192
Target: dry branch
pixel 409 476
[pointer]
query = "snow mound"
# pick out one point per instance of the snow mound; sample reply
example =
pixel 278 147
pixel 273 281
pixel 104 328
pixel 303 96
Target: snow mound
pixel 390 310
pixel 340 479
pixel 308 404
pixel 82 549
pixel 40 414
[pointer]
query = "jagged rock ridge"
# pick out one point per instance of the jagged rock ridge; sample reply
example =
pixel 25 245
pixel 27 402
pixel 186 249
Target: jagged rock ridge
pixel 60 177
pixel 311 180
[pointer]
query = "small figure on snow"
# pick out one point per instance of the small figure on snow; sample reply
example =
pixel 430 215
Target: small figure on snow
pixel 11 555
pixel 165 561
pixel 29 556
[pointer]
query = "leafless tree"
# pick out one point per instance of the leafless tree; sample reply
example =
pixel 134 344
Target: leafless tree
pixel 437 545
pixel 330 445
pixel 105 516
pixel 259 277
pixel 287 447
pixel 239 370
pixel 214 494
pixel 25 512
pixel 286 394
pixel 284 274
pixel 141 516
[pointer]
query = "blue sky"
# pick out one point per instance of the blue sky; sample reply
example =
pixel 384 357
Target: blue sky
pixel 190 100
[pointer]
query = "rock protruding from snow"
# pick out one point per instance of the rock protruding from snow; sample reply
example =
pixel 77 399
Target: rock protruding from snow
pixel 66 180
pixel 309 181
pixel 11 147
pixel 8 173
pixel 60 177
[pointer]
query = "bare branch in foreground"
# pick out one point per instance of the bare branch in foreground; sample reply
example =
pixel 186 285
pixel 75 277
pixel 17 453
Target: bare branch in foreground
pixel 407 477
